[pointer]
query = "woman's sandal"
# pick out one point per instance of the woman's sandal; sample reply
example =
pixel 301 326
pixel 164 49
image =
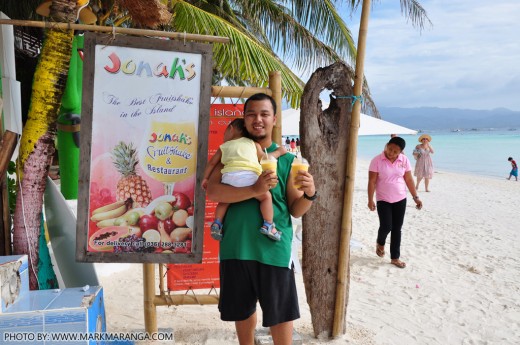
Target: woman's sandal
pixel 380 250
pixel 398 263
pixel 216 230
pixel 267 229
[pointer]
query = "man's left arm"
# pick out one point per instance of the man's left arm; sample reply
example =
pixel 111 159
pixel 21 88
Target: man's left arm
pixel 300 200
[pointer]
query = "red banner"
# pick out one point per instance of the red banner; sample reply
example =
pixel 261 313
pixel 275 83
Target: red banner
pixel 206 275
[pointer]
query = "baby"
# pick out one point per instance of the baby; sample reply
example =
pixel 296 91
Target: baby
pixel 240 157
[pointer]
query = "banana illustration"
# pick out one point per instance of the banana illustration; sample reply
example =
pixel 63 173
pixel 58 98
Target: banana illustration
pixel 115 213
pixel 131 217
pixel 112 206
pixel 105 223
pixel 121 221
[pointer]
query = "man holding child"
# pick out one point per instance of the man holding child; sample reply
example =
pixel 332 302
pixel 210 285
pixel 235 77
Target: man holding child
pixel 253 267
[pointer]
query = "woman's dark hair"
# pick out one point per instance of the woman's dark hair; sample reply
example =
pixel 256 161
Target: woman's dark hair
pixel 398 141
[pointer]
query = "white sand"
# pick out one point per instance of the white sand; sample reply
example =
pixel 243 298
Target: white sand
pixel 461 285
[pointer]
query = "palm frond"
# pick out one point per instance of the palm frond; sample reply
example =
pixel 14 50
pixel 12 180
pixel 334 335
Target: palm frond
pixel 245 58
pixel 311 33
pixel 324 21
pixel 413 10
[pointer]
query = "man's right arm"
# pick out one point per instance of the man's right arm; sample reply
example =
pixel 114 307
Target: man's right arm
pixel 220 192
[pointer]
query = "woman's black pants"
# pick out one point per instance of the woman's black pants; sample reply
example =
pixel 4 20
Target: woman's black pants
pixel 391 217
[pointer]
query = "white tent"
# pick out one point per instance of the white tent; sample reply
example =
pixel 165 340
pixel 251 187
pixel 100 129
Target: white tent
pixel 368 125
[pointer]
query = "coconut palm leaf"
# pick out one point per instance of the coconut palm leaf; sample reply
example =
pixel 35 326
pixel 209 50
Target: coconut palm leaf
pixel 411 9
pixel 324 22
pixel 297 36
pixel 245 58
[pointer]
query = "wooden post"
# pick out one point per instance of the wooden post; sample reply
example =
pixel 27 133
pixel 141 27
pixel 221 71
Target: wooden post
pixel 7 147
pixel 238 91
pixel 5 220
pixel 346 223
pixel 275 84
pixel 117 30
pixel 150 311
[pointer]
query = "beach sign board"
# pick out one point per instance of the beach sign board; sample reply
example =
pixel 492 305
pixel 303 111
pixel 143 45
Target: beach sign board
pixel 143 149
pixel 182 277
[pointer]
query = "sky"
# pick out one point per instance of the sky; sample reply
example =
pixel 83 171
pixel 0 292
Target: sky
pixel 468 58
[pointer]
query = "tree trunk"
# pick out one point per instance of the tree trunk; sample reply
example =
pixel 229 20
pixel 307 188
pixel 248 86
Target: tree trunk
pixel 27 215
pixel 37 143
pixel 324 135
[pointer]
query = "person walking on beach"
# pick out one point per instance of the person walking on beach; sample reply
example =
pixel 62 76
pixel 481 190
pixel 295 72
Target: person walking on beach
pixel 293 145
pixel 298 143
pixel 287 144
pixel 389 175
pixel 252 267
pixel 240 157
pixel 514 169
pixel 424 163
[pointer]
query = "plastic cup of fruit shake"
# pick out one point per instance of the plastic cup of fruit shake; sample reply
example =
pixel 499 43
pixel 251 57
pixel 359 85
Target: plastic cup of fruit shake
pixel 298 164
pixel 269 163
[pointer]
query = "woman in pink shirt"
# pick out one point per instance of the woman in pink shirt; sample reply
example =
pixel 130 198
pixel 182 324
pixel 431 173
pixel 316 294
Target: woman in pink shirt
pixel 390 173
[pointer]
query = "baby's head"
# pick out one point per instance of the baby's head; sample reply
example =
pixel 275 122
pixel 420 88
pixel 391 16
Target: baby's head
pixel 236 129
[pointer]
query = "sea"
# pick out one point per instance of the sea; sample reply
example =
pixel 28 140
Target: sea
pixel 474 151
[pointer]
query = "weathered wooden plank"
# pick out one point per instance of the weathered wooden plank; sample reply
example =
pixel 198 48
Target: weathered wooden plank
pixel 324 135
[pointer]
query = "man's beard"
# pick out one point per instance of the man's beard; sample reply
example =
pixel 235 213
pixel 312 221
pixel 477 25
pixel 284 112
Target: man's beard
pixel 257 137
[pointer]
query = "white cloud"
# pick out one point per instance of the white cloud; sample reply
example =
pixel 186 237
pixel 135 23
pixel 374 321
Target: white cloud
pixel 470 58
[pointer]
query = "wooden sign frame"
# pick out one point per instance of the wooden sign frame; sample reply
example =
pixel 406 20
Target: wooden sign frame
pixel 94 42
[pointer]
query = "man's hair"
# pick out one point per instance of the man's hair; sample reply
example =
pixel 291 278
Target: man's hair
pixel 510 159
pixel 260 97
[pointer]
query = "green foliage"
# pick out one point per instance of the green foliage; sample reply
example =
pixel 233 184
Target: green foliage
pixel 11 186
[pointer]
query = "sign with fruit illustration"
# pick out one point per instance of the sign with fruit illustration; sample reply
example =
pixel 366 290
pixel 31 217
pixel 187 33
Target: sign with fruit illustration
pixel 145 106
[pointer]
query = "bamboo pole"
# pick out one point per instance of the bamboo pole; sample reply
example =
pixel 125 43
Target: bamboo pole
pixel 161 280
pixel 5 220
pixel 275 84
pixel 150 311
pixel 346 222
pixel 238 91
pixel 7 146
pixel 116 30
pixel 185 299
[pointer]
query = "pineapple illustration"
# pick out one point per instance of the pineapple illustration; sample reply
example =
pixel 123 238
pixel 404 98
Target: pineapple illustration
pixel 131 185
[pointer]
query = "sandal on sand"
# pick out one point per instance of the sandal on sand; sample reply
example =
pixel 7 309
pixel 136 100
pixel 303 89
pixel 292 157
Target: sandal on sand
pixel 380 250
pixel 216 230
pixel 267 229
pixel 398 263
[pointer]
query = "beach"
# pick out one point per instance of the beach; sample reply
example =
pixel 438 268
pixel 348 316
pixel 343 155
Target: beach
pixel 461 284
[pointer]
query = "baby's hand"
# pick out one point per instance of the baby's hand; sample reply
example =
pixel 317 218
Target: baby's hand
pixel 205 183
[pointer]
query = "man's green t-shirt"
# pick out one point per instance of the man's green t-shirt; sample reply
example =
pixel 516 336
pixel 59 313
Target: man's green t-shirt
pixel 242 238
